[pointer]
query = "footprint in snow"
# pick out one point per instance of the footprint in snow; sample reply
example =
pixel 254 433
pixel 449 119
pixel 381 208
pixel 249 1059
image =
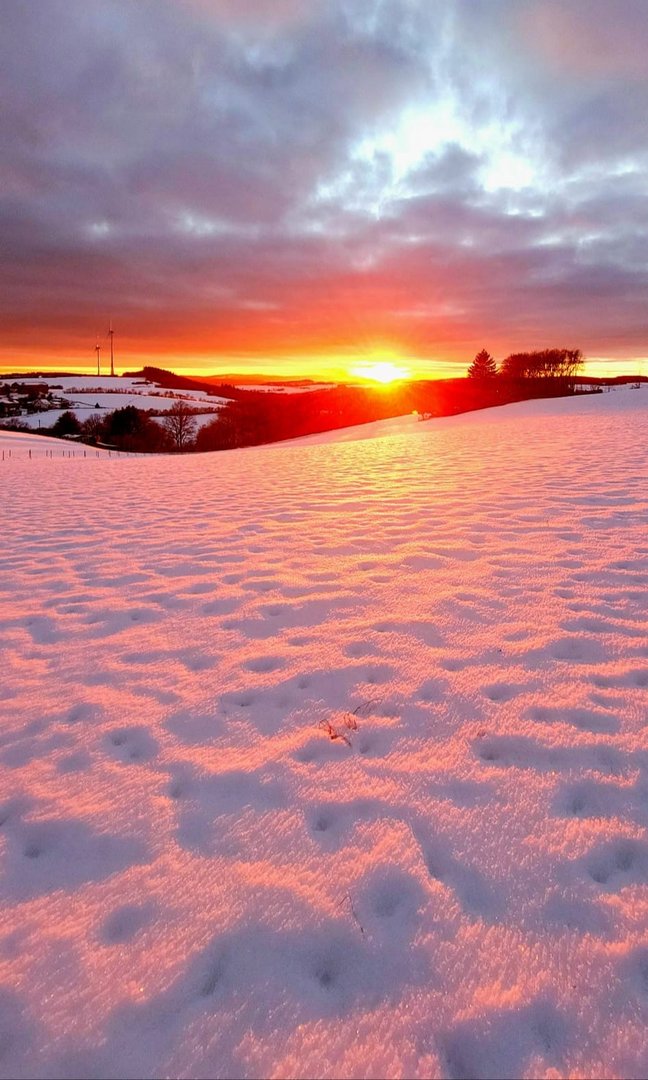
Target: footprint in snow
pixel 79 761
pixel 124 922
pixel 263 664
pixel 503 691
pixel 634 970
pixel 617 863
pixel 133 744
pixel 390 900
pixel 505 1042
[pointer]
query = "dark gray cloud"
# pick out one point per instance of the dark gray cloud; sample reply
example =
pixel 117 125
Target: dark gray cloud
pixel 292 176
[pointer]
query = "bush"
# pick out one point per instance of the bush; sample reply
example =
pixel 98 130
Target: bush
pixel 66 424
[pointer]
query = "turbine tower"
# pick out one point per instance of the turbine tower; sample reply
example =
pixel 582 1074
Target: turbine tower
pixel 98 350
pixel 111 335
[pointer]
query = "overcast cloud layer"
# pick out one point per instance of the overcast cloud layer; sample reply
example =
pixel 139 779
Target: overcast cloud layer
pixel 254 178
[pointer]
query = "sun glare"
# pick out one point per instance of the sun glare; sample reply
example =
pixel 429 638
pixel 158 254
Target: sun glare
pixel 382 371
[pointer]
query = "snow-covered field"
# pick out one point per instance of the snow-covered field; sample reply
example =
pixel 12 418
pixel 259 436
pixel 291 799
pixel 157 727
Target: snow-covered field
pixel 93 393
pixel 119 383
pixel 110 385
pixel 198 881
pixel 283 388
pixel 20 444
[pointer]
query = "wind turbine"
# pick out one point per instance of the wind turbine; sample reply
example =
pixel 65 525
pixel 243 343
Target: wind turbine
pixel 98 350
pixel 111 335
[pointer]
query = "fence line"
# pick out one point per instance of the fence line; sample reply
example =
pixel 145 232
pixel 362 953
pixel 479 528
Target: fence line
pixel 50 453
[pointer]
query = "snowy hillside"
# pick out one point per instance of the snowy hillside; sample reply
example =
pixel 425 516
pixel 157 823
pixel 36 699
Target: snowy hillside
pixel 332 759
pixel 96 393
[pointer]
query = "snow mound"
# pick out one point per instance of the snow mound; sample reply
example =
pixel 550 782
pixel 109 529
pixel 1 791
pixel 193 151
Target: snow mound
pixel 330 760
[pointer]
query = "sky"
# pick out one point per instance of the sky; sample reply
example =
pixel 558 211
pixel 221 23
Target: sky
pixel 309 188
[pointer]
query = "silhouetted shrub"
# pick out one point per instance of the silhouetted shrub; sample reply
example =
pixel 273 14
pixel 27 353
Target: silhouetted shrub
pixel 66 424
pixel 132 430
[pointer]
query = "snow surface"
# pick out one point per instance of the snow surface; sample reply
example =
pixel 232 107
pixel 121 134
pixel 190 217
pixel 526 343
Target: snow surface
pixel 197 880
pixel 408 424
pixel 20 444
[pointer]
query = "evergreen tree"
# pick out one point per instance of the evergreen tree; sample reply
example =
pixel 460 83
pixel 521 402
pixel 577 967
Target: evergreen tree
pixel 483 366
pixel 66 424
pixel 132 430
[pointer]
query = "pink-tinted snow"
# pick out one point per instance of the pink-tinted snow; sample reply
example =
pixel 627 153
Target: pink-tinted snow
pixel 197 881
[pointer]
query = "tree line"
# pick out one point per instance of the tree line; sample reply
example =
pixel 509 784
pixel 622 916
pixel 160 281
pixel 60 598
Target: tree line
pixel 250 420
pixel 561 366
pixel 130 429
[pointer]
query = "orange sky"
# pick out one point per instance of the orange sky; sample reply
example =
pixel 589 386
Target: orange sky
pixel 245 192
pixel 340 365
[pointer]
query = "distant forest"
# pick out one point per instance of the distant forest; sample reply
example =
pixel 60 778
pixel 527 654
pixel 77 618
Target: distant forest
pixel 254 417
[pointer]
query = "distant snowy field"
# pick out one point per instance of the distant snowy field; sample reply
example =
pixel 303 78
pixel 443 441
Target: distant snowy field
pixel 283 388
pixel 197 881
pixel 98 393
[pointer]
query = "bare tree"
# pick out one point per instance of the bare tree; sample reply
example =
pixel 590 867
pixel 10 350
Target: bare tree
pixel 93 427
pixel 180 424
pixel 556 364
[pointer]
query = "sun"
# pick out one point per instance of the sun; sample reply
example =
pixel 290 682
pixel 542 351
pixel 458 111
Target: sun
pixel 380 371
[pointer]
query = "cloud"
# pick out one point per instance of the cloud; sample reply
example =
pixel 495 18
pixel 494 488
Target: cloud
pixel 292 176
